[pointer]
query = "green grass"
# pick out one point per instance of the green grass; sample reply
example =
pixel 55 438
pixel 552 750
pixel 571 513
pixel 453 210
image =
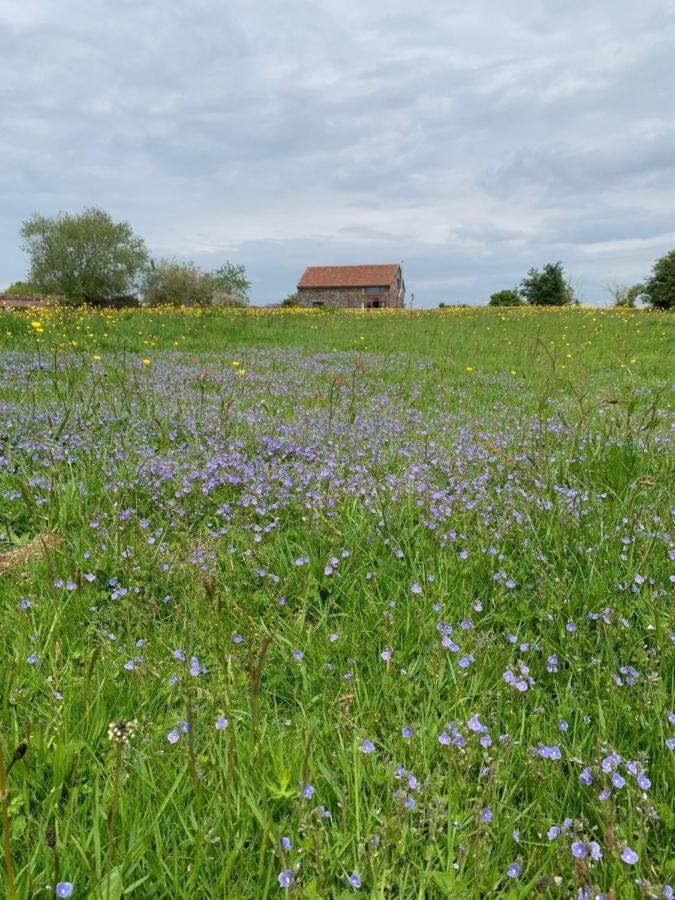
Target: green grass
pixel 515 466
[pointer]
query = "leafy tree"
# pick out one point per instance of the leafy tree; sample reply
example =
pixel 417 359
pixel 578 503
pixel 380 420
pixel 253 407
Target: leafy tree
pixel 548 287
pixel 625 296
pixel 660 287
pixel 174 283
pixel 177 283
pixel 506 298
pixel 84 257
pixel 21 289
pixel 290 301
pixel 230 279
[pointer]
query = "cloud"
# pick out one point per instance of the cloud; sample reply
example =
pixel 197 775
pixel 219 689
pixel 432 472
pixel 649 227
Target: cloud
pixel 471 141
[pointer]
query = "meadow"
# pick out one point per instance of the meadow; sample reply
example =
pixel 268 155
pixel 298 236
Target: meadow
pixel 321 605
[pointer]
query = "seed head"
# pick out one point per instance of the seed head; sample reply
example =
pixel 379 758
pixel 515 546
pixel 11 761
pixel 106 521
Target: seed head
pixel 120 732
pixel 20 751
pixel 18 754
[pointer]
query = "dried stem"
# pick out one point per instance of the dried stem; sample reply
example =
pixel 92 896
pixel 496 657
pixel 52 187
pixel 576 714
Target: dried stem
pixel 50 837
pixel 256 679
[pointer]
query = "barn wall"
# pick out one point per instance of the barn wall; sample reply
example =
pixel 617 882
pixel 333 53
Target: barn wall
pixel 341 298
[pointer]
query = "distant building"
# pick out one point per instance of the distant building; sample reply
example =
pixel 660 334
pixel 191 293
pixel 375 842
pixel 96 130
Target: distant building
pixel 10 301
pixel 352 287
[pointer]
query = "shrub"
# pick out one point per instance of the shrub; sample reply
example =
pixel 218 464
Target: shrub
pixel 660 288
pixel 506 298
pixel 548 287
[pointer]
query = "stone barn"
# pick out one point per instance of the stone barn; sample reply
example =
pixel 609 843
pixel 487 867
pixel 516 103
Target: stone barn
pixel 352 287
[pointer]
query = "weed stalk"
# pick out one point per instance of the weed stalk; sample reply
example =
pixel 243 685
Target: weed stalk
pixel 50 837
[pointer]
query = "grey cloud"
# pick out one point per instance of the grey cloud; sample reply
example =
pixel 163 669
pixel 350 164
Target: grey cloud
pixel 576 170
pixel 469 141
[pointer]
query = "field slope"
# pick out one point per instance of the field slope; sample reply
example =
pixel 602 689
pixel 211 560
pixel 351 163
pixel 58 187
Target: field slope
pixel 337 604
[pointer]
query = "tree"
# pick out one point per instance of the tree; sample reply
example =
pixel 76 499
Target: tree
pixel 660 287
pixel 21 289
pixel 625 296
pixel 230 279
pixel 290 301
pixel 548 287
pixel 506 298
pixel 174 283
pixel 85 257
pixel 185 284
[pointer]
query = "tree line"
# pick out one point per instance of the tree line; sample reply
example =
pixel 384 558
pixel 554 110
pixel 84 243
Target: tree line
pixel 549 287
pixel 89 258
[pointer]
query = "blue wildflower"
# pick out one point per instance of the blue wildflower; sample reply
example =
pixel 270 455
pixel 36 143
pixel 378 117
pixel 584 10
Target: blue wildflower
pixel 285 878
pixel 629 856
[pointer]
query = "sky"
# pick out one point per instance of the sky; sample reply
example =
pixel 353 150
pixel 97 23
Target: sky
pixel 469 141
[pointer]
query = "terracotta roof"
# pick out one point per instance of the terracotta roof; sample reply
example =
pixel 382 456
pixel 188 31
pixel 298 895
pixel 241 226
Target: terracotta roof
pixel 348 276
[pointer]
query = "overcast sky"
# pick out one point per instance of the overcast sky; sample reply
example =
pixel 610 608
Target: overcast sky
pixel 471 141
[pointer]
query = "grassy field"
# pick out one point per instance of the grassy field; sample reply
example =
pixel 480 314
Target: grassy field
pixel 326 604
